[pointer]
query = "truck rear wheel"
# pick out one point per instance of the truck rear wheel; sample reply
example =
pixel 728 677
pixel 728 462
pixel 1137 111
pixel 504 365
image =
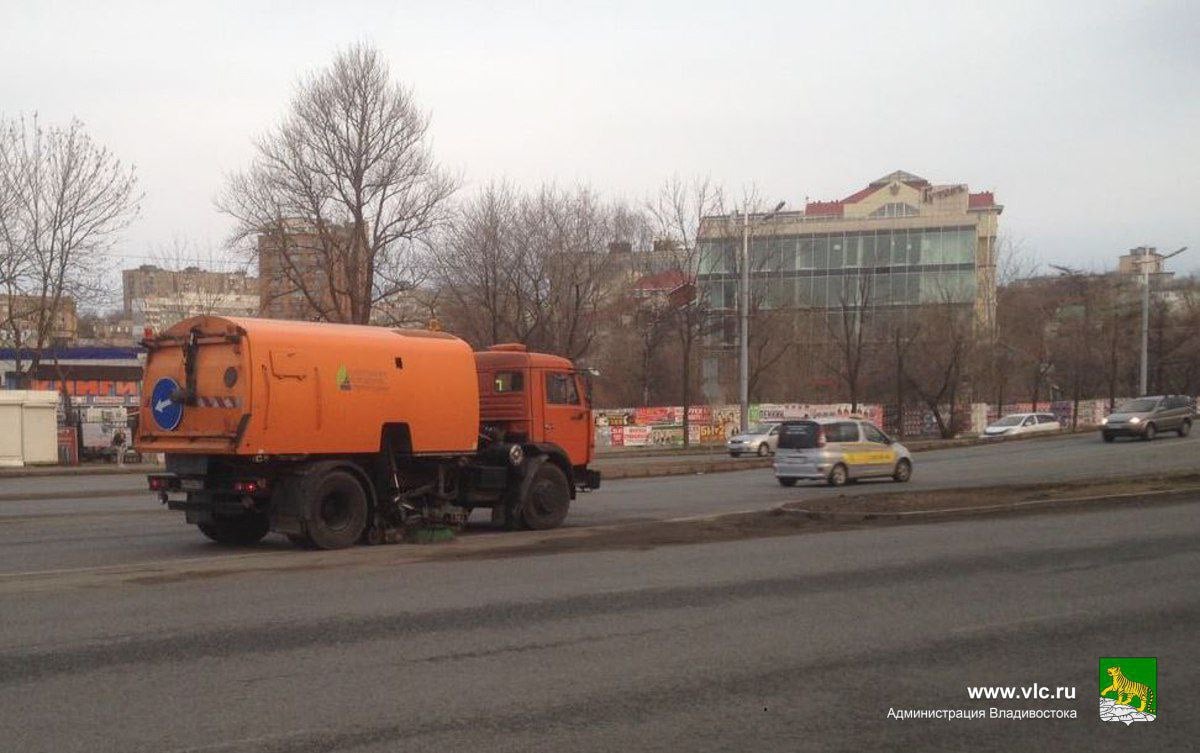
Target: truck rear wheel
pixel 243 531
pixel 548 499
pixel 337 509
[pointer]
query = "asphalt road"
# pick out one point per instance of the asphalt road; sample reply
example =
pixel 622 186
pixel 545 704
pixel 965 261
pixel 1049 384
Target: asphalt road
pixel 73 530
pixel 793 644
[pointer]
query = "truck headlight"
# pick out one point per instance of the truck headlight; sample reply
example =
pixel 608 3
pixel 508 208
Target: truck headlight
pixel 516 454
pixel 1135 420
pixel 1104 421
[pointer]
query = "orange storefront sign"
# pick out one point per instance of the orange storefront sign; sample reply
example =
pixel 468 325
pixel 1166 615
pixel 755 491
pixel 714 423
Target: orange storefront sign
pixel 89 387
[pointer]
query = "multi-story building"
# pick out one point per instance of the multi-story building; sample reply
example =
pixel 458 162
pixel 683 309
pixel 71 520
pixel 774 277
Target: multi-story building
pixel 298 271
pixel 19 322
pixel 1143 259
pixel 897 244
pixel 156 298
pixel 158 312
pixel 151 281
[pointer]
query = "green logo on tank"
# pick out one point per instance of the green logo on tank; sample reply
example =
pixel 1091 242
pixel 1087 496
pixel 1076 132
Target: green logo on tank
pixel 343 378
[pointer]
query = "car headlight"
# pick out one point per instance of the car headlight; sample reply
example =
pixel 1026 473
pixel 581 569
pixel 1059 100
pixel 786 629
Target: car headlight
pixel 1135 420
pixel 1104 421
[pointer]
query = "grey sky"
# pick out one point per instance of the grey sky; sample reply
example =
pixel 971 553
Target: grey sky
pixel 1081 116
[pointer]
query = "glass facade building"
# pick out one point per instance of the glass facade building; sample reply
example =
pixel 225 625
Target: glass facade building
pixel 911 246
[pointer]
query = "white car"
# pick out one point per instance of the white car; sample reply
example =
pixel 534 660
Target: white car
pixel 1015 424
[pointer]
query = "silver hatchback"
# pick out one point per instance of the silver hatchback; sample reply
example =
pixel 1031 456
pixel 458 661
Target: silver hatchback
pixel 760 440
pixel 1146 417
pixel 837 450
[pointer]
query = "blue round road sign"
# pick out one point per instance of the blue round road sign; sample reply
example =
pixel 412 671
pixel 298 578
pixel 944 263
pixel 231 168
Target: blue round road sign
pixel 167 412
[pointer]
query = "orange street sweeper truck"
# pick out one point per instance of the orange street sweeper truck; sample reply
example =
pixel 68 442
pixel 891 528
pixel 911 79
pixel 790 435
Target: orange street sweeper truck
pixel 334 434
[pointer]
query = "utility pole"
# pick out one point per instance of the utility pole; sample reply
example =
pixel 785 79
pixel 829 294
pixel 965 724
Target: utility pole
pixel 1145 265
pixel 1145 366
pixel 744 330
pixel 744 306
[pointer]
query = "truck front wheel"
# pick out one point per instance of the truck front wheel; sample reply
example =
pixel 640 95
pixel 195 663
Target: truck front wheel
pixel 243 531
pixel 548 499
pixel 337 509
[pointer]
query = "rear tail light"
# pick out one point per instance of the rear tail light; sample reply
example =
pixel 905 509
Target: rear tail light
pixel 252 486
pixel 158 484
pixel 820 437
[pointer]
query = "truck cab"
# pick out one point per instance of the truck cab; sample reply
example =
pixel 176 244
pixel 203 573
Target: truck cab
pixel 538 399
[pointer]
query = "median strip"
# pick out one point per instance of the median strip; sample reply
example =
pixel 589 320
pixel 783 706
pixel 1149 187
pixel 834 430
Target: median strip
pixel 833 513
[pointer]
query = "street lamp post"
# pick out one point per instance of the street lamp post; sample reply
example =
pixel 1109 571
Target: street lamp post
pixel 744 310
pixel 1145 265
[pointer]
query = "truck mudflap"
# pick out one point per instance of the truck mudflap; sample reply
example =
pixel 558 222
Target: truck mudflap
pixel 588 478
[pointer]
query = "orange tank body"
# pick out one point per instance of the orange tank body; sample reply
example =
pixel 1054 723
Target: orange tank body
pixel 266 387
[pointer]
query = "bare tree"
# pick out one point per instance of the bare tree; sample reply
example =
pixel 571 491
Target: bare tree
pixel 772 338
pixel 651 326
pixel 1182 323
pixel 676 213
pixel 1014 261
pixel 937 363
pixel 1006 347
pixel 63 201
pixel 565 269
pixel 14 257
pixel 770 305
pixel 849 331
pixel 474 264
pixel 1117 325
pixel 532 267
pixel 1075 338
pixel 345 192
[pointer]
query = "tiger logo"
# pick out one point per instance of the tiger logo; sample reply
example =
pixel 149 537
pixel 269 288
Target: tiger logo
pixel 1127 690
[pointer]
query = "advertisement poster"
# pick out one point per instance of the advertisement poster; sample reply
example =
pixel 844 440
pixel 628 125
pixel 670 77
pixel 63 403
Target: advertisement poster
pixel 636 436
pixel 699 414
pixel 659 415
pixel 666 436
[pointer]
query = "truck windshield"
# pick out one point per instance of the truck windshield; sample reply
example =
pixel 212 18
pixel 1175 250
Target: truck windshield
pixel 801 435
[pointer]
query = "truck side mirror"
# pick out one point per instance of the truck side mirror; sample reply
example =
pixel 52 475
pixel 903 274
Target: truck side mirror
pixel 587 374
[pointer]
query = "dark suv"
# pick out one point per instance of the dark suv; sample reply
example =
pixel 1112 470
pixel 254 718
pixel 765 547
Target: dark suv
pixel 1145 417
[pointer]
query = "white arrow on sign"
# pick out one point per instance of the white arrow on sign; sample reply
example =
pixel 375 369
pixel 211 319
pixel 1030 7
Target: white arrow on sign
pixel 162 405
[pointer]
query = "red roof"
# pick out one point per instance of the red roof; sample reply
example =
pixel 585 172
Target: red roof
pixel 836 208
pixel 858 196
pixel 823 209
pixel 662 281
pixel 981 200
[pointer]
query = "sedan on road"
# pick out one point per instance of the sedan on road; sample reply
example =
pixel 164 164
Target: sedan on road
pixel 1023 423
pixel 761 440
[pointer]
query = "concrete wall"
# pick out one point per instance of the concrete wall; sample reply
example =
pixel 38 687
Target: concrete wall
pixel 28 427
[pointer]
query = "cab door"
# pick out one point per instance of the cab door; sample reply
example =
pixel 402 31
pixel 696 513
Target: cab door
pixel 565 417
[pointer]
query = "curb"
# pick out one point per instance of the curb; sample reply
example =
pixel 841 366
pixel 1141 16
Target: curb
pixel 717 464
pixel 69 494
pixel 685 469
pixel 58 471
pixel 859 516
